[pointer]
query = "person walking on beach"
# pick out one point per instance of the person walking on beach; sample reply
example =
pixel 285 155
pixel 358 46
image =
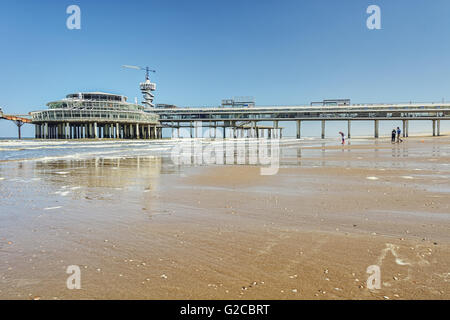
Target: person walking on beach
pixel 398 135
pixel 393 135
pixel 342 137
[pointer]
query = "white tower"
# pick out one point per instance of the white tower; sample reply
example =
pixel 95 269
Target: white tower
pixel 146 87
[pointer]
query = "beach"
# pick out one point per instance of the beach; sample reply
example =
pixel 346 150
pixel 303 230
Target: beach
pixel 140 226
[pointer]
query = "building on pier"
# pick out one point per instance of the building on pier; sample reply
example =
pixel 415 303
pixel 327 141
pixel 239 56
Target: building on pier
pixel 92 115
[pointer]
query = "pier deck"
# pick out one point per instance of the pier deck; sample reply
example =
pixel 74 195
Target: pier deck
pixel 234 117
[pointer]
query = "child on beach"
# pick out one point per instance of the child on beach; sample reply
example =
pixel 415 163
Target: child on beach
pixel 342 137
pixel 398 135
pixel 393 135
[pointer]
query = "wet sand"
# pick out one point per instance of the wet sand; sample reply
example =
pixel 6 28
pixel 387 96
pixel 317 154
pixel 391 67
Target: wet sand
pixel 143 228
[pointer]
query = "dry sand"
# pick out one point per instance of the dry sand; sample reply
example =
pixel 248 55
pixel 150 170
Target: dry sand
pixel 226 232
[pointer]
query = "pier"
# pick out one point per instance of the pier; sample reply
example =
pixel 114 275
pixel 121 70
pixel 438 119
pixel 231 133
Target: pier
pixel 19 120
pixel 238 118
pixel 108 116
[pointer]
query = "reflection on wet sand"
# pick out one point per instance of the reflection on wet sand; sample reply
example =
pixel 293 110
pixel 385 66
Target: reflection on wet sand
pixel 102 172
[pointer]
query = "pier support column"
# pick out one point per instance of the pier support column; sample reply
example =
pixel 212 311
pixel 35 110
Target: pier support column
pixel 299 127
pixel 233 127
pixel 349 128
pixel 275 131
pixel 407 128
pixel 137 130
pixel 376 128
pixel 46 130
pixel 323 129
pixel 438 125
pixel 67 130
pixel 434 127
pixel 95 130
pixel 404 128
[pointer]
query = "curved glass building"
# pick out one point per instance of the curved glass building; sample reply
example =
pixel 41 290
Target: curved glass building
pixel 95 115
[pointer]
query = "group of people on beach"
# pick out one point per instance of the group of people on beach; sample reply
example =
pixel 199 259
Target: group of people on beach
pixel 396 135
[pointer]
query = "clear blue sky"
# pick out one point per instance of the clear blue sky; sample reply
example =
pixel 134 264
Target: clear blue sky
pixel 281 52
